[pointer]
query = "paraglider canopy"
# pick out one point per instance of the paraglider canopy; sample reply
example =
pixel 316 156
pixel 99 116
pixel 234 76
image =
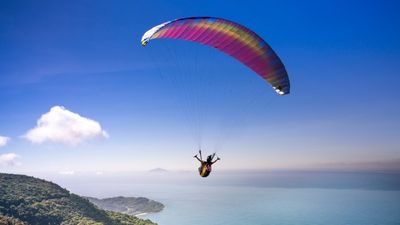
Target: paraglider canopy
pixel 230 38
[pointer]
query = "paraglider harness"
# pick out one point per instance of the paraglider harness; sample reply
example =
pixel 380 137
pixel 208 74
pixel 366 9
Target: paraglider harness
pixel 205 168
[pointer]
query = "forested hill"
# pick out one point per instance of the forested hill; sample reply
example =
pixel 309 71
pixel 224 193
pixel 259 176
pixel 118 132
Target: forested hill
pixel 28 200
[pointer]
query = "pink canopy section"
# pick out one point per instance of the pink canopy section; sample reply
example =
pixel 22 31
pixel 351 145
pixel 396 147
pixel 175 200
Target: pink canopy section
pixel 230 38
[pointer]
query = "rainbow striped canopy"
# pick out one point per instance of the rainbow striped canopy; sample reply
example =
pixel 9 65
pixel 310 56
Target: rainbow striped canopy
pixel 231 38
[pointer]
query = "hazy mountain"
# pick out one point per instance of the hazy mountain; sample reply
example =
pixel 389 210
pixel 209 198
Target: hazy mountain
pixel 158 170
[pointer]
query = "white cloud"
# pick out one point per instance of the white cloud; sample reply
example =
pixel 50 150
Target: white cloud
pixel 9 159
pixel 4 141
pixel 67 172
pixel 60 125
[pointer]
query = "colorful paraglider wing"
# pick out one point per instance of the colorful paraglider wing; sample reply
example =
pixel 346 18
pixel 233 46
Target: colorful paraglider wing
pixel 231 38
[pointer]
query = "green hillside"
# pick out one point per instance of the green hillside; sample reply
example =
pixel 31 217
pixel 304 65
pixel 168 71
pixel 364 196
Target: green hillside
pixel 28 200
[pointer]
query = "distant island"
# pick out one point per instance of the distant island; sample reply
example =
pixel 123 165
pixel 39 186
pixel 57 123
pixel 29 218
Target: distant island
pixel 158 170
pixel 128 205
pixel 26 200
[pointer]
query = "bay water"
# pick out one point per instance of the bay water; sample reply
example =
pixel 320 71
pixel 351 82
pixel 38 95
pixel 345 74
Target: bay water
pixel 261 199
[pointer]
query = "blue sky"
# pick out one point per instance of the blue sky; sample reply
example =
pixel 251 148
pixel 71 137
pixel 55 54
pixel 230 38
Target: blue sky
pixel 342 59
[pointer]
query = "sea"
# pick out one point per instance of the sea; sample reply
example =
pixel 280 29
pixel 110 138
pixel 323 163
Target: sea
pixel 254 198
